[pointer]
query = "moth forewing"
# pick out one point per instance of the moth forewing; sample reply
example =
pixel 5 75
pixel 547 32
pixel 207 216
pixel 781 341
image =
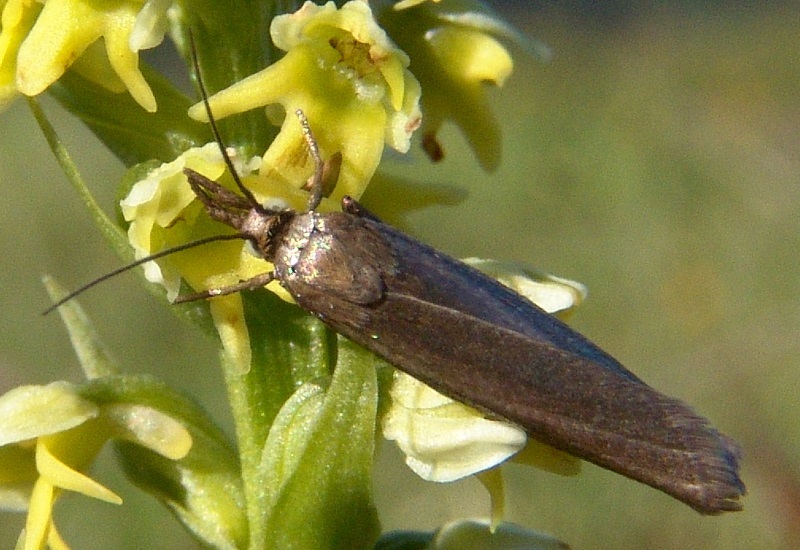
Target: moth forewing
pixel 474 340
pixel 471 338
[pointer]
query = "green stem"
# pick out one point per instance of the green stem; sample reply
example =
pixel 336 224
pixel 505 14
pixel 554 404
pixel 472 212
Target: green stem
pixel 110 231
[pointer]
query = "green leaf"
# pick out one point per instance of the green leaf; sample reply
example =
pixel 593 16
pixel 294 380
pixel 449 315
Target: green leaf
pixel 289 348
pixel 133 134
pixel 320 454
pixel 204 488
pixel 110 231
pixel 94 359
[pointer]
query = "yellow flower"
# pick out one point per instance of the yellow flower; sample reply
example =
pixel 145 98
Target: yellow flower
pixel 18 17
pixel 38 43
pixel 163 212
pixel 470 533
pixel 454 53
pixel 405 4
pixel 49 435
pixel 352 83
pixel 444 440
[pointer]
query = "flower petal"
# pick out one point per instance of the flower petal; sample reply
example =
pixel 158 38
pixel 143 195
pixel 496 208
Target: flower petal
pixel 28 412
pixel 445 440
pixel 17 19
pixel 65 29
pixel 60 475
pixel 158 202
pixel 470 56
pixel 149 428
pixel 151 25
pixel 552 294
pixel 40 514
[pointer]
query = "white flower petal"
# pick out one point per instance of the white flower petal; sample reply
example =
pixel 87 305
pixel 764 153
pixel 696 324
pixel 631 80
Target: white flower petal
pixel 150 26
pixel 552 294
pixel 444 440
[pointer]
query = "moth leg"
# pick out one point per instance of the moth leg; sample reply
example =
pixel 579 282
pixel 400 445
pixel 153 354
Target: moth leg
pixel 316 183
pixel 250 284
pixel 330 175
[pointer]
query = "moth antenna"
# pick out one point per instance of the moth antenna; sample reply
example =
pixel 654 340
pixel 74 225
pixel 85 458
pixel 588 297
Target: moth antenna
pixel 139 262
pixel 214 129
pixel 319 166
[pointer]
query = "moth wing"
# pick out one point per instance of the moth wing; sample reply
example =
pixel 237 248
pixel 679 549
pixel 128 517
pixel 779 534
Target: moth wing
pixel 437 278
pixel 559 398
pixel 474 340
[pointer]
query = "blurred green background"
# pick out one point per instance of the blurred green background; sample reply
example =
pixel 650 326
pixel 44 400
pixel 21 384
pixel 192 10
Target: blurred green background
pixel 656 158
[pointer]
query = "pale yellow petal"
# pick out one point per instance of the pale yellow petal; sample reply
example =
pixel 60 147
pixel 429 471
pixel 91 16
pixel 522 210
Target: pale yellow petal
pixel 149 428
pixel 444 440
pixel 156 206
pixel 471 55
pixel 125 61
pixel 28 412
pixel 60 475
pixel 228 315
pixel 17 19
pixel 40 515
pixel 555 295
pixel 151 25
pixel 65 29
pixel 492 480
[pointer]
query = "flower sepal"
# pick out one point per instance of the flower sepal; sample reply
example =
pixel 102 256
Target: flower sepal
pixel 196 475
pixel 50 435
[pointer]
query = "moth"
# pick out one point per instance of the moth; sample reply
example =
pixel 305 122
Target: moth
pixel 473 339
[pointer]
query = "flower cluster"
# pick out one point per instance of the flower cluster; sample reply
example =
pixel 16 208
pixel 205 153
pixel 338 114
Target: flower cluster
pixel 354 86
pixel 49 435
pixel 455 53
pixel 357 73
pixel 351 82
pixel 39 41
